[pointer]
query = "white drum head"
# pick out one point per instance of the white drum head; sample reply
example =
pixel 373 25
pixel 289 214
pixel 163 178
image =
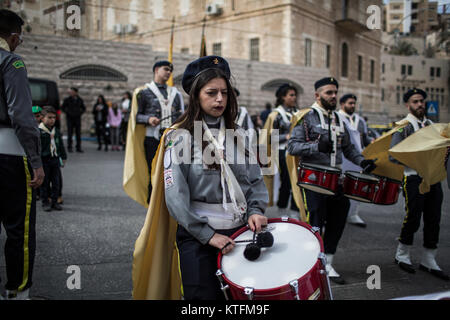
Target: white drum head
pixel 357 198
pixel 294 252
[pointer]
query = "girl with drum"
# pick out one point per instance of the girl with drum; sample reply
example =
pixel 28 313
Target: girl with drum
pixel 208 192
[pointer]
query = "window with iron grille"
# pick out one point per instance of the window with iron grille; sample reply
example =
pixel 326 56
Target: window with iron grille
pixel 254 49
pixel 93 72
pixel 217 49
pixel 308 46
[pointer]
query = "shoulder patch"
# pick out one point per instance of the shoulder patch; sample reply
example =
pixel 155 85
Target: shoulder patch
pixel 400 130
pixel 18 64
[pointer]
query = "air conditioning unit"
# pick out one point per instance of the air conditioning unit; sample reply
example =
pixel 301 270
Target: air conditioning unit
pixel 213 9
pixel 130 28
pixel 118 29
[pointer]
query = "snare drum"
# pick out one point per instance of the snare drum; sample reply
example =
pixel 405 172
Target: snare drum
pixel 360 186
pixel 388 191
pixel 318 178
pixel 292 269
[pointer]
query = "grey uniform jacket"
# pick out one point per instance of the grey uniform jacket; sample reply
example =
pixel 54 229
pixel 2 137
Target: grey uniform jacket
pixel 149 106
pixel 16 105
pixel 362 128
pixel 304 142
pixel 186 182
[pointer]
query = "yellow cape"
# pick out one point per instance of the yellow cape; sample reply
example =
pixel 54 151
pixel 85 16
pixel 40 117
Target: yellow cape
pixel 155 271
pixel 264 139
pixel 379 150
pixel 135 171
pixel 425 151
pixel 292 164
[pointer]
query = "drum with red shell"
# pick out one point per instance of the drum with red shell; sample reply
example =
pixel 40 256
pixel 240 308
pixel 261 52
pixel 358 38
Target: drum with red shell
pixel 292 269
pixel 318 178
pixel 388 191
pixel 359 186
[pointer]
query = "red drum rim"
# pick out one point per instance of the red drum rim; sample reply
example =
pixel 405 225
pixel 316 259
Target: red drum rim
pixel 361 176
pixel 312 166
pixel 273 220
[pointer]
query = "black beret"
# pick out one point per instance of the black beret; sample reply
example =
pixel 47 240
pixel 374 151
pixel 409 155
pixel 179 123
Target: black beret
pixel 279 91
pixel 237 92
pixel 326 81
pixel 195 68
pixel 162 63
pixel 346 97
pixel 412 92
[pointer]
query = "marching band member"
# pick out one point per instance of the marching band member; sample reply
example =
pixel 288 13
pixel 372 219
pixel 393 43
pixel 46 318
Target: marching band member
pixel 280 119
pixel 208 193
pixel 416 204
pixel 357 128
pixel 310 140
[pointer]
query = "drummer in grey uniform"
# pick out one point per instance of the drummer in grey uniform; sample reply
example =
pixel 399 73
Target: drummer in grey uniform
pixel 357 125
pixel 208 201
pixel 310 140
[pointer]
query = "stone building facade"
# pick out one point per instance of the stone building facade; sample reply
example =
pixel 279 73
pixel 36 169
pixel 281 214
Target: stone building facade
pixel 321 36
pixel 125 66
pixel 400 73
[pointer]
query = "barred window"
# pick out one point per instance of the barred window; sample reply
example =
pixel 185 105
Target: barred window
pixel 254 49
pixel 93 72
pixel 308 49
pixel 217 49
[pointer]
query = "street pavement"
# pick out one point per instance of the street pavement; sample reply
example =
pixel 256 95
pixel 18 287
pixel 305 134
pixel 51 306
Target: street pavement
pixel 99 225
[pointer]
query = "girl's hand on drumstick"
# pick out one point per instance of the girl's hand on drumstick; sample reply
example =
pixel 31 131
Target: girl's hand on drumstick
pixel 224 243
pixel 256 221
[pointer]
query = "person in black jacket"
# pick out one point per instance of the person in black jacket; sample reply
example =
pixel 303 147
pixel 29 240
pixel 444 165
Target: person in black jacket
pixel 53 157
pixel 74 107
pixel 21 169
pixel 100 112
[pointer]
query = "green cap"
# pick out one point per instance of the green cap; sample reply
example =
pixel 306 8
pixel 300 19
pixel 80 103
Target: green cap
pixel 37 109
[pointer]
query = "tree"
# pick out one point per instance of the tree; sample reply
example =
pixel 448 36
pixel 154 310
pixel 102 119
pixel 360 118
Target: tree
pixel 403 48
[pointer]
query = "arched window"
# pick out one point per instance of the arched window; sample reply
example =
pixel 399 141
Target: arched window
pixel 344 61
pixel 93 72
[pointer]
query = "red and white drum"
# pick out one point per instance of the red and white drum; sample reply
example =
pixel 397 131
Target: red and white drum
pixel 388 191
pixel 319 178
pixel 292 269
pixel 360 186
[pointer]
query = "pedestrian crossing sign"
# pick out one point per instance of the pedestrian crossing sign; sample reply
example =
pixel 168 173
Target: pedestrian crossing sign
pixel 432 108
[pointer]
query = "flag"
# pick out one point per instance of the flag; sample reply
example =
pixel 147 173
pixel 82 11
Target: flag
pixel 203 44
pixel 170 58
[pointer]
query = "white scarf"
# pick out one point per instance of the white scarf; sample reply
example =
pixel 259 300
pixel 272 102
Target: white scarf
pixel 285 115
pixel 415 122
pixel 4 45
pixel 52 133
pixel 335 130
pixel 166 104
pixel 226 174
pixel 353 122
